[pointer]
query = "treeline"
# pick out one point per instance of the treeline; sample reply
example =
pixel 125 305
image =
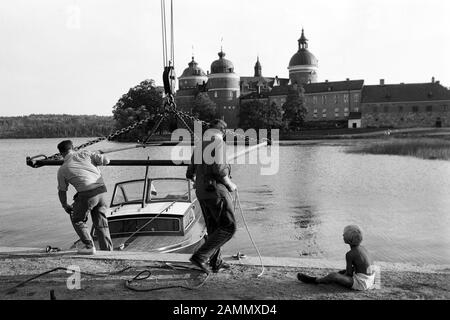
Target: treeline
pixel 55 126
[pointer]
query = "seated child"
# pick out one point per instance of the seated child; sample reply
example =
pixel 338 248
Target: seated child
pixel 359 273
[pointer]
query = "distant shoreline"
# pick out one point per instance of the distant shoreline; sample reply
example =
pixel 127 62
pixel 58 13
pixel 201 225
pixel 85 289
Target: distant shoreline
pixel 55 125
pixel 310 134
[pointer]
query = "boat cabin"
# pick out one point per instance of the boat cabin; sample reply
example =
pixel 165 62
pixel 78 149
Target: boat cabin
pixel 163 206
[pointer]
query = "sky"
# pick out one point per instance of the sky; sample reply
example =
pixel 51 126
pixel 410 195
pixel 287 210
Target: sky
pixel 81 56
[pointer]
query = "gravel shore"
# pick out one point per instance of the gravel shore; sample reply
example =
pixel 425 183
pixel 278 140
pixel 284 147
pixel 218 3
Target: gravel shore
pixel 278 281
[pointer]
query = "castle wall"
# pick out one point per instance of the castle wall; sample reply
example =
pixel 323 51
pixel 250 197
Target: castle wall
pixel 332 105
pixel 407 114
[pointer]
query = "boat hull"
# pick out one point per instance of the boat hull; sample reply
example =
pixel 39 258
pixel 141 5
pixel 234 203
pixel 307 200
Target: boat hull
pixel 187 243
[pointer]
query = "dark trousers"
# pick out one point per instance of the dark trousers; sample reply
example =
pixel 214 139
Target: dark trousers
pixel 92 201
pixel 221 226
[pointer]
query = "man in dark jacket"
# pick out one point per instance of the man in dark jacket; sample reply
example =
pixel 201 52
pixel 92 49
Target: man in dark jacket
pixel 213 189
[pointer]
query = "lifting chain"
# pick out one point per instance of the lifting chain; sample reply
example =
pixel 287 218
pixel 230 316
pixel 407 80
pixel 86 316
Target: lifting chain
pixel 169 107
pixel 207 124
pixel 113 135
pixel 170 102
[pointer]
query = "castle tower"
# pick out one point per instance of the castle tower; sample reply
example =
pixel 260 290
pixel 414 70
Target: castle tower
pixel 223 89
pixel 303 65
pixel 192 76
pixel 189 82
pixel 258 68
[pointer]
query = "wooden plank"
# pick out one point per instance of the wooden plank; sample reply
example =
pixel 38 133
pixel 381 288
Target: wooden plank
pixel 117 163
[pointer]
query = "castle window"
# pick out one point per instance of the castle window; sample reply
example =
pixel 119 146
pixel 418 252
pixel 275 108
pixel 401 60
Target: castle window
pixel 336 109
pixel 215 94
pixel 415 109
pixel 336 115
pixel 324 115
pixel 324 99
pixel 345 109
pixel 231 94
pixel 335 98
pixel 346 98
pixel 400 108
pixel 345 114
pixel 315 110
pixel 314 100
pixel 429 108
pixel 356 109
pixel 324 110
pixel 356 97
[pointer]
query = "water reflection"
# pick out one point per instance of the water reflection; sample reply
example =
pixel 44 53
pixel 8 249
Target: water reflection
pixel 306 222
pixel 304 217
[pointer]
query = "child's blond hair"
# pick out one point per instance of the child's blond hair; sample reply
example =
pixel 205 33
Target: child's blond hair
pixel 353 235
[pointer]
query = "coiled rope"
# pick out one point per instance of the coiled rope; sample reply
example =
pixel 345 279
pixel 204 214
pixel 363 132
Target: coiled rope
pixel 145 274
pixel 142 275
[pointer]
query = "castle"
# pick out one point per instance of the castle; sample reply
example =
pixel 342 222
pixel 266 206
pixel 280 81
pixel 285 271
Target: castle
pixel 330 103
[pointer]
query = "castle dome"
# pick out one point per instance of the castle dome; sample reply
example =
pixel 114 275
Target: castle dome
pixel 222 65
pixel 303 56
pixel 303 65
pixel 193 70
pixel 192 76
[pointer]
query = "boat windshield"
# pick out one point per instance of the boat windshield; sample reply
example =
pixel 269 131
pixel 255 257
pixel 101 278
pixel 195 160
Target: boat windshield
pixel 158 190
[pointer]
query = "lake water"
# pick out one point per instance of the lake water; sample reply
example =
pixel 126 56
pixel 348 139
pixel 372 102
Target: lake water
pixel 402 203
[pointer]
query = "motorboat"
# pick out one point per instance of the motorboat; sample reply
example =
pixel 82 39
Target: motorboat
pixel 155 215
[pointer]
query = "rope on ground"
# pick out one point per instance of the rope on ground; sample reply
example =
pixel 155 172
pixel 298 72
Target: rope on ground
pixel 238 201
pixel 146 272
pixel 23 283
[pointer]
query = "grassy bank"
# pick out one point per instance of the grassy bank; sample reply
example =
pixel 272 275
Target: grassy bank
pixel 424 148
pixel 318 134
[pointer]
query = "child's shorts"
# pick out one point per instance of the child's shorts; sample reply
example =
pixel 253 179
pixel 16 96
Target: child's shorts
pixel 362 282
